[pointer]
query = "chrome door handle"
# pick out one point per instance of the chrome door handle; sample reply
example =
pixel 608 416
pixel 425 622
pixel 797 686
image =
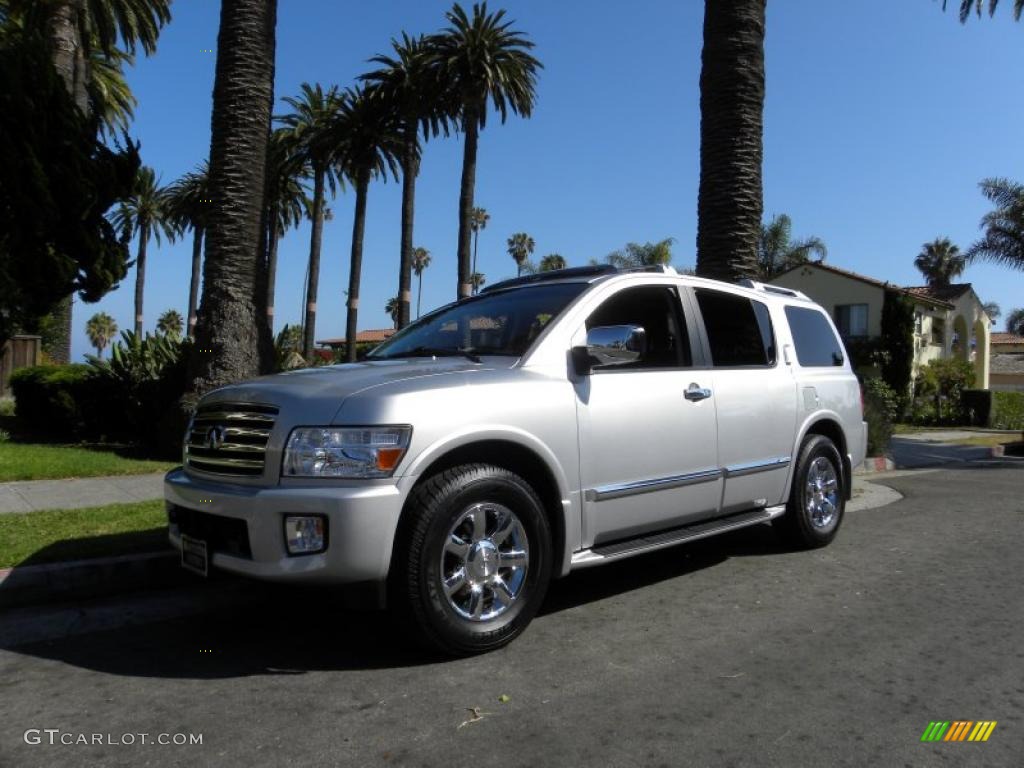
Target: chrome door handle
pixel 696 392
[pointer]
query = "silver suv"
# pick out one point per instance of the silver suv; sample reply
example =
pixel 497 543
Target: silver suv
pixel 553 422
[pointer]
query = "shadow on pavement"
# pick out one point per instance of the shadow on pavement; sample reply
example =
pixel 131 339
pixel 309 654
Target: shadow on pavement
pixel 282 630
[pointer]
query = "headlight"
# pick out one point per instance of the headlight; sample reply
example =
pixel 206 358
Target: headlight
pixel 345 451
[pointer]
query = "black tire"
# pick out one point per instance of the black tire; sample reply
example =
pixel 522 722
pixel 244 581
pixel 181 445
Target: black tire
pixel 808 523
pixel 422 560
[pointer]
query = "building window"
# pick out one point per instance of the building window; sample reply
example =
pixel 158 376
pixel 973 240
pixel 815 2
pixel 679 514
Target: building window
pixel 919 323
pixel 852 320
pixel 939 332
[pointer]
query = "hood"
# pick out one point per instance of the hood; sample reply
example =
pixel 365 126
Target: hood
pixel 314 395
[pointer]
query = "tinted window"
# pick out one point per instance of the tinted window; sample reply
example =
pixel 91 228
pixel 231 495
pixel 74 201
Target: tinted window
pixel 739 329
pixel 816 344
pixel 500 323
pixel 656 309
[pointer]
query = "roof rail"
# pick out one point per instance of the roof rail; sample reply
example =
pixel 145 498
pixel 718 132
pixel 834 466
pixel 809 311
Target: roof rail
pixel 664 269
pixel 776 289
pixel 595 270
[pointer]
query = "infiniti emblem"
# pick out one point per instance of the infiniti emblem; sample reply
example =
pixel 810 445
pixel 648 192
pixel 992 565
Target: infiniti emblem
pixel 215 438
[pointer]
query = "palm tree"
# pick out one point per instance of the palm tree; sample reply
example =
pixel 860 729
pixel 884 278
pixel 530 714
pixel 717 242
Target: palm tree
pixel 1015 322
pixel 940 262
pixel 777 251
pixel 101 329
pixel 635 255
pixel 393 308
pixel 993 310
pixel 409 83
pixel 74 29
pixel 966 6
pixel 520 246
pixel 239 345
pixel 481 58
pixel 420 261
pixel 286 204
pixel 478 279
pixel 188 200
pixel 309 122
pixel 368 140
pixel 170 324
pixel 1002 241
pixel 730 196
pixel 552 262
pixel 144 214
pixel 110 98
pixel 477 220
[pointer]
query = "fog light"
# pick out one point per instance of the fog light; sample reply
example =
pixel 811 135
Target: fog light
pixel 305 534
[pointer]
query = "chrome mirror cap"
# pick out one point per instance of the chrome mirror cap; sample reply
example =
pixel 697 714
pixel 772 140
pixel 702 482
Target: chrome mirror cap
pixel 611 345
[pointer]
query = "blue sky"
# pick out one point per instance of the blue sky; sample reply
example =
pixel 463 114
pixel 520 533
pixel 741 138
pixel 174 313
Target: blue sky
pixel 880 119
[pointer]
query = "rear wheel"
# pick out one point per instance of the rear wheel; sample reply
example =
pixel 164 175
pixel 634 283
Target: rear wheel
pixel 475 562
pixel 817 499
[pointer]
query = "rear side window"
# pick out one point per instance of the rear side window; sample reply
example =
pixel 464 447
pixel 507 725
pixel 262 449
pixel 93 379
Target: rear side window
pixel 739 329
pixel 816 344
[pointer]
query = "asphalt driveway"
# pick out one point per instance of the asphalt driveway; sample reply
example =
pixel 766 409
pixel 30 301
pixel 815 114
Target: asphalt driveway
pixel 725 652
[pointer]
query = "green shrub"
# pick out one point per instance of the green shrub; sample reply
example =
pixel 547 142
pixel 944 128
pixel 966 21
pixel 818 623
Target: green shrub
pixel 938 391
pixel 52 399
pixel 881 406
pixel 6 406
pixel 1007 410
pixel 977 405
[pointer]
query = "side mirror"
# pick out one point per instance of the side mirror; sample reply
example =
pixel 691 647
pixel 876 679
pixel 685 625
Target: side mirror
pixel 609 346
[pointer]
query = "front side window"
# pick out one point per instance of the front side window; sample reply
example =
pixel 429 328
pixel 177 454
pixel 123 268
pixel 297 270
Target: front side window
pixel 816 344
pixel 656 309
pixel 852 320
pixel 500 323
pixel 739 329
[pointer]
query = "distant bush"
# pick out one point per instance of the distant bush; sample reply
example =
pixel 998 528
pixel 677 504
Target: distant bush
pixel 938 392
pixel 51 399
pixel 1007 410
pixel 881 406
pixel 6 406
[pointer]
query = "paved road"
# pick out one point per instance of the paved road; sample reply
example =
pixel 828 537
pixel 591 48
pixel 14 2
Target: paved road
pixel 727 652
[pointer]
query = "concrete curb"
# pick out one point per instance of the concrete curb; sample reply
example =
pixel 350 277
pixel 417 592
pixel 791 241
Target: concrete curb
pixel 875 464
pixel 82 579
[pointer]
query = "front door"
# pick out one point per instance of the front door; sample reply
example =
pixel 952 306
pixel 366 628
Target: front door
pixel 648 449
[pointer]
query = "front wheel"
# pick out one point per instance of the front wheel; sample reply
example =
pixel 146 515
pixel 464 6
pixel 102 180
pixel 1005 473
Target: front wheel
pixel 817 499
pixel 475 562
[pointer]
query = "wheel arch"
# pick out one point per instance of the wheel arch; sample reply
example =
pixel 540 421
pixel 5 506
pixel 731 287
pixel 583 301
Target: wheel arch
pixel 827 425
pixel 515 456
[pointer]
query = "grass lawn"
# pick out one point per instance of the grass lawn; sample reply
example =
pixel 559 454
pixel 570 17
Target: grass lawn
pixel 39 461
pixel 78 534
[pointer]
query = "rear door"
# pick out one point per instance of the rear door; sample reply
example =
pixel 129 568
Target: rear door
pixel 755 397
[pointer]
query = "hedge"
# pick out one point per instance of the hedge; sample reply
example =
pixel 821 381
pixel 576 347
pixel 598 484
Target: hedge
pixel 1007 410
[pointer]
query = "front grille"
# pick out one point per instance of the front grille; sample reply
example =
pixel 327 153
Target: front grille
pixel 221 534
pixel 229 438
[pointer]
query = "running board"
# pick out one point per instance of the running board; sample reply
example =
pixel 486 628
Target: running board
pixel 620 549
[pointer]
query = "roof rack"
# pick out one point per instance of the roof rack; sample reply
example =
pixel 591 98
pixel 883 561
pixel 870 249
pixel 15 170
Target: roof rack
pixel 776 289
pixel 555 274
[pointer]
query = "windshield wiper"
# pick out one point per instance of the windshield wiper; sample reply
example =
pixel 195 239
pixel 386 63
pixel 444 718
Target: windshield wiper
pixel 434 352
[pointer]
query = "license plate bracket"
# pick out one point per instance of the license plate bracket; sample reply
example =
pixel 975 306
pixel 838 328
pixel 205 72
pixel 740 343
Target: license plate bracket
pixel 194 555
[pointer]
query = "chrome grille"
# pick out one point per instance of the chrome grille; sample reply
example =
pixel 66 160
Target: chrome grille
pixel 229 438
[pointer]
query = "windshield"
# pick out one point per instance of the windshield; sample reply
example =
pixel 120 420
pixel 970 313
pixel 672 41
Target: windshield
pixel 502 323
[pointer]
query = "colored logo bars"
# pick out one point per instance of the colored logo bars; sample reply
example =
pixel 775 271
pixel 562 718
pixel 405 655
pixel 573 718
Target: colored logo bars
pixel 958 730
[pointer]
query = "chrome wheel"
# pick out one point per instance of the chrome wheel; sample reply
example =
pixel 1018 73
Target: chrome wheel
pixel 821 493
pixel 484 563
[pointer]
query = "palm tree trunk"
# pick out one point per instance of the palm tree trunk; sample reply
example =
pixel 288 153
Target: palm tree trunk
pixel 410 170
pixel 140 276
pixel 472 271
pixel 419 293
pixel 730 199
pixel 309 327
pixel 193 286
pixel 229 326
pixel 471 127
pixel 274 238
pixel 356 266
pixel 68 57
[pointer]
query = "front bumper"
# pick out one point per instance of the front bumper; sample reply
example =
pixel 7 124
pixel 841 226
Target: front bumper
pixel 361 521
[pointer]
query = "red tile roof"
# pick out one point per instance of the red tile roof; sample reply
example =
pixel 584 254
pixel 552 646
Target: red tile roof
pixel 942 293
pixel 375 335
pixel 1006 338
